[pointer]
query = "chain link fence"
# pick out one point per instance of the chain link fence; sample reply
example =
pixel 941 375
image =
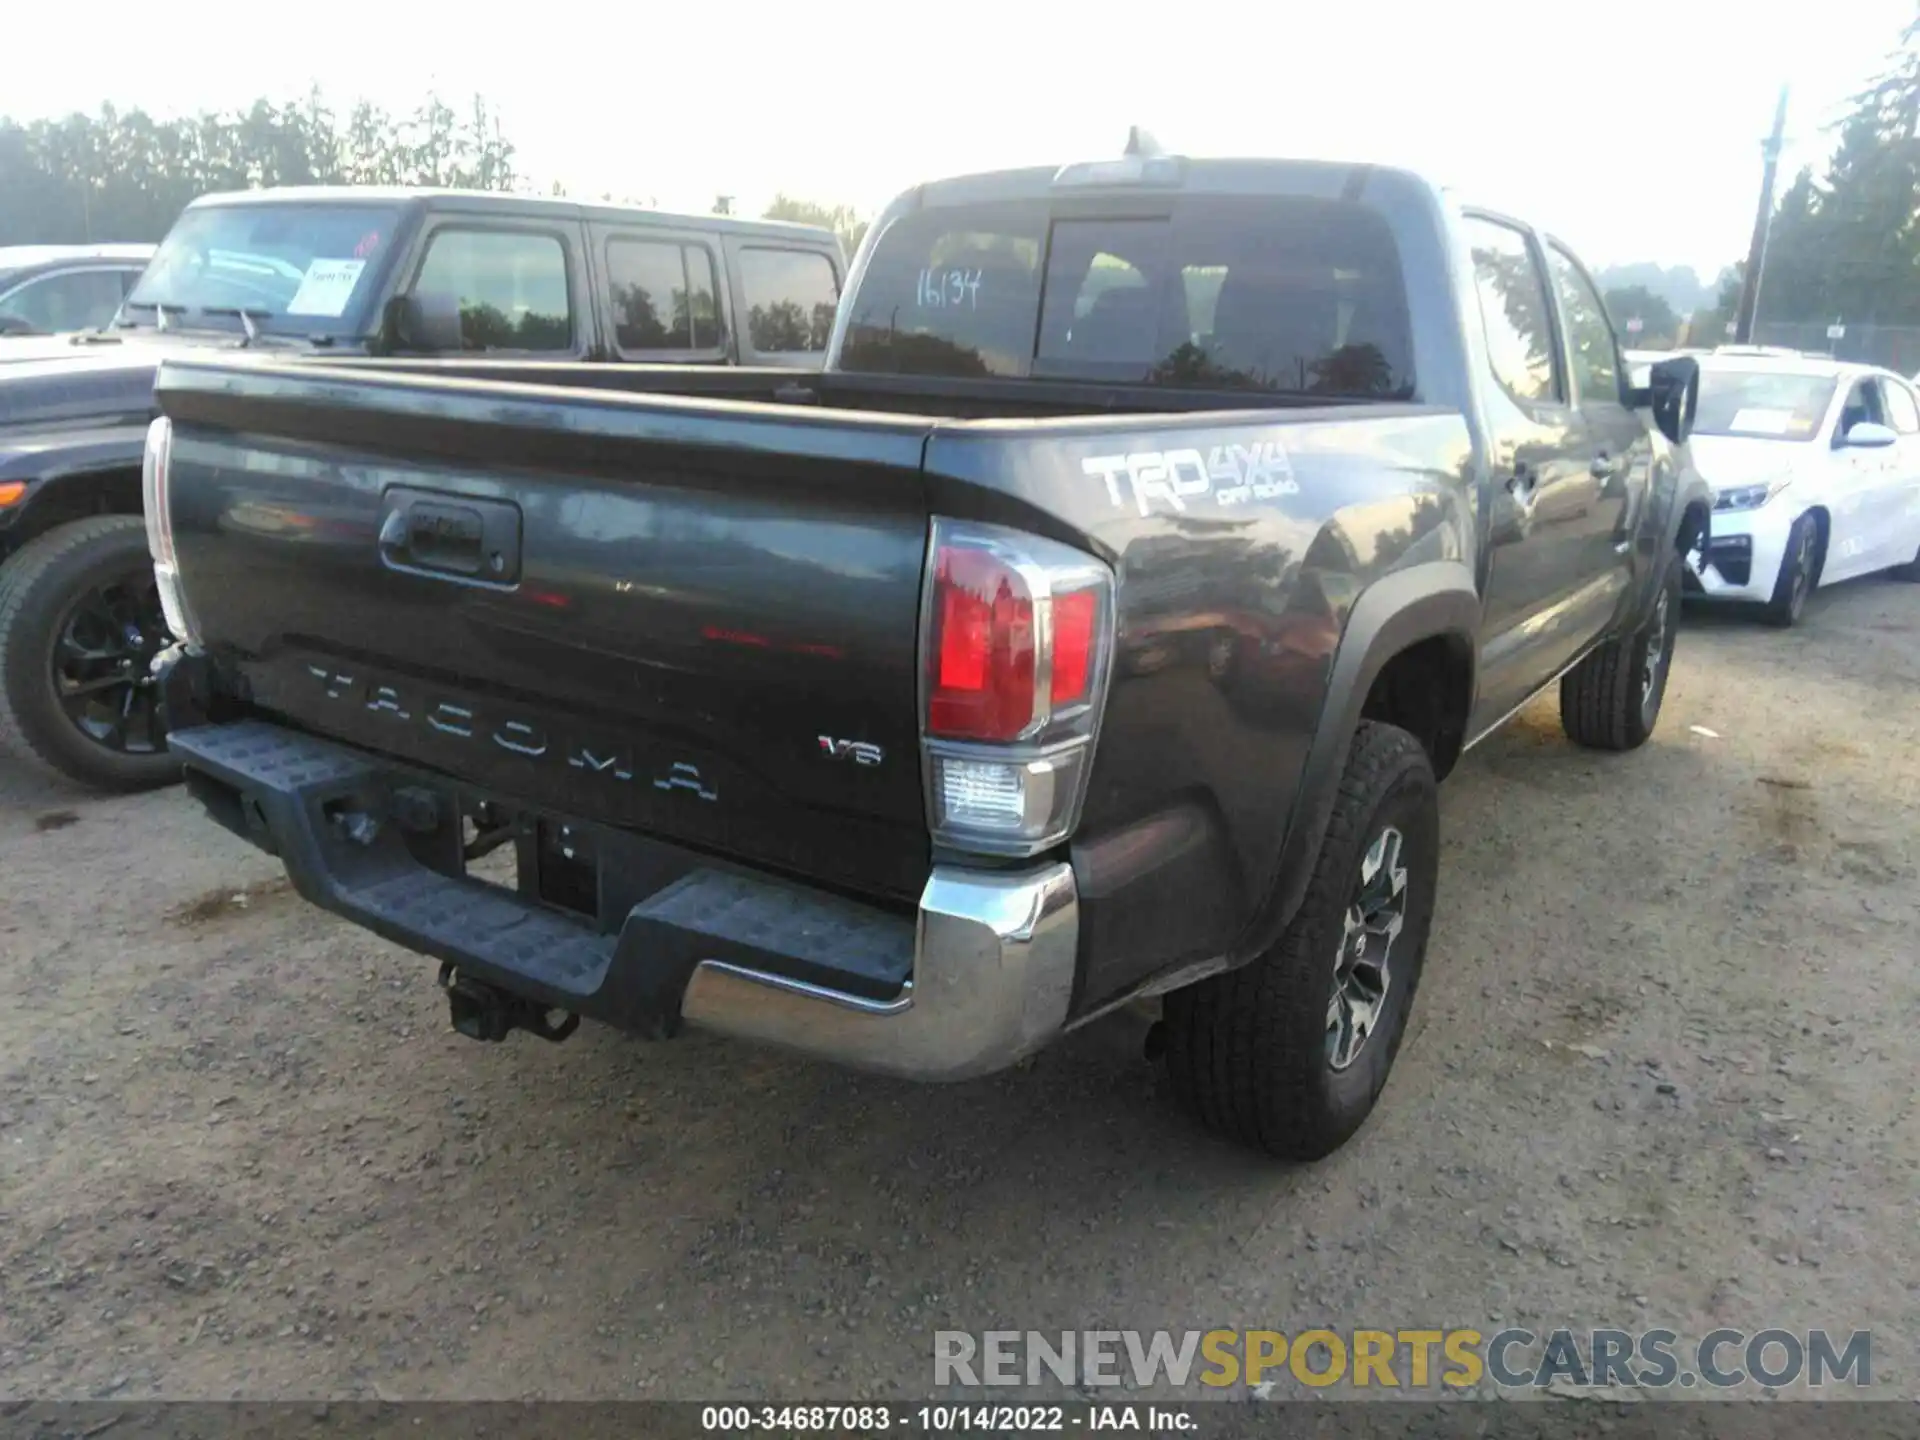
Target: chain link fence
pixel 1897 347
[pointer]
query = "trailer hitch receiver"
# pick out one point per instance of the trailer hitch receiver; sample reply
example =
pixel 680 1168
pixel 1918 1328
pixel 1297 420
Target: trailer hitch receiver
pixel 484 1012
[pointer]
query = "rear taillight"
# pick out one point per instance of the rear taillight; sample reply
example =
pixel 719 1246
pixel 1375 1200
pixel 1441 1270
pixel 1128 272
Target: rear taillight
pixel 1018 632
pixel 155 471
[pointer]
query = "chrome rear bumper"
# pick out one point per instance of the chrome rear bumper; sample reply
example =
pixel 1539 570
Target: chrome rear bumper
pixel 993 971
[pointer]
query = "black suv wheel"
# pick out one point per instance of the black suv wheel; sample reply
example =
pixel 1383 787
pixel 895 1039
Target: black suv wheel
pixel 80 623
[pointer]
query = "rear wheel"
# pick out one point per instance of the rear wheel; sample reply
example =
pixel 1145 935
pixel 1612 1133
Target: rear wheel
pixel 80 623
pixel 1798 570
pixel 1289 1053
pixel 1910 572
pixel 1611 700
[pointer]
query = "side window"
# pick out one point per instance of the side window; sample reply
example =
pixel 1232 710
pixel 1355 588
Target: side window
pixel 78 300
pixel 1514 309
pixel 511 285
pixel 1595 356
pixel 663 295
pixel 1900 407
pixel 791 295
pixel 1863 404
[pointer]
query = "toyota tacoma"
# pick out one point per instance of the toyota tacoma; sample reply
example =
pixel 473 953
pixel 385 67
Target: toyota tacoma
pixel 1093 628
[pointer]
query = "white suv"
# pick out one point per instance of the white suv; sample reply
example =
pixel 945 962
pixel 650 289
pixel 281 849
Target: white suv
pixel 1815 467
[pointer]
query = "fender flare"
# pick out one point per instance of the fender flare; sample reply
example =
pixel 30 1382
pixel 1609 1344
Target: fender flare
pixel 1688 489
pixel 1421 602
pixel 116 452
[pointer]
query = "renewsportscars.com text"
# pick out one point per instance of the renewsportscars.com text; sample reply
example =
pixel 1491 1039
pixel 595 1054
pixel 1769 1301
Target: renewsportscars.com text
pixel 1411 1359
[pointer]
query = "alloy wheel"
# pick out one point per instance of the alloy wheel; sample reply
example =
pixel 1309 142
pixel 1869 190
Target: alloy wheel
pixel 1362 970
pixel 102 654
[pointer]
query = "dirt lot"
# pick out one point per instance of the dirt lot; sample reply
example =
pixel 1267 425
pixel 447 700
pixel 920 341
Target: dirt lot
pixel 1663 1072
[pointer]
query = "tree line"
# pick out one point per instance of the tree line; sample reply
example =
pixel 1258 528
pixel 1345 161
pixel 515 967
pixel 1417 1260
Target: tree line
pixel 123 176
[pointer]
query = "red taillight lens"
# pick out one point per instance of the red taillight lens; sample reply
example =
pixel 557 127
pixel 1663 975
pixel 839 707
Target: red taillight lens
pixel 982 648
pixel 1074 615
pixel 1017 640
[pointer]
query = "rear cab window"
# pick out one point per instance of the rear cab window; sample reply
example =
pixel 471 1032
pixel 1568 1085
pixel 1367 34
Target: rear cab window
pixel 1284 294
pixel 511 286
pixel 790 297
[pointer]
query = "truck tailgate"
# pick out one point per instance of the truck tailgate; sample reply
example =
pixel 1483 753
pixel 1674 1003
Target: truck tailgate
pixel 693 620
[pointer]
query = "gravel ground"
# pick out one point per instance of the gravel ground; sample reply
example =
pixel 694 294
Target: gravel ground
pixel 1662 1073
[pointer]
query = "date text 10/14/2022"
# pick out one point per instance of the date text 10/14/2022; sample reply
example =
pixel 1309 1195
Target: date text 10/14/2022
pixel 984 1419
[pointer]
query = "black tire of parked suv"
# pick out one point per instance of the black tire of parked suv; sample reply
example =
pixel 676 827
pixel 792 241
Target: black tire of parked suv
pixel 80 596
pixel 1799 569
pixel 1611 700
pixel 1909 572
pixel 1252 1052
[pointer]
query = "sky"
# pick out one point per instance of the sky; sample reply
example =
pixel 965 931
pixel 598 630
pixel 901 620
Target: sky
pixel 1629 127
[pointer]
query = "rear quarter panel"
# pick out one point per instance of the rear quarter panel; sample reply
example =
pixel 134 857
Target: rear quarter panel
pixel 1241 544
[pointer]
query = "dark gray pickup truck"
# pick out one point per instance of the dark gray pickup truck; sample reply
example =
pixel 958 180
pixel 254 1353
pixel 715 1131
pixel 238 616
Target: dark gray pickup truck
pixel 475 284
pixel 1093 628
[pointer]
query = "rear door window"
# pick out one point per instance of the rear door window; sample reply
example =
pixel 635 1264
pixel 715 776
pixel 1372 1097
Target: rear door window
pixel 663 295
pixel 790 297
pixel 511 285
pixel 1288 294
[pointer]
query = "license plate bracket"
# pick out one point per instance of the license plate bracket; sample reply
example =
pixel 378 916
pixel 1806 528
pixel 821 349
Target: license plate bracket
pixel 566 866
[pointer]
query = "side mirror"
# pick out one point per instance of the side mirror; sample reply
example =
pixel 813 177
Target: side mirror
pixel 1672 393
pixel 1865 435
pixel 427 320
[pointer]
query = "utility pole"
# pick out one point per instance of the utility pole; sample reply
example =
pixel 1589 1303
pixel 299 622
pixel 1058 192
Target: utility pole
pixel 1762 224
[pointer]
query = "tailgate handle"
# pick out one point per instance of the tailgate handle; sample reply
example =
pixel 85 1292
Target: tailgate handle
pixel 458 537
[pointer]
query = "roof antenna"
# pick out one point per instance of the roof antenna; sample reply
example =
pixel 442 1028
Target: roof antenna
pixel 1140 143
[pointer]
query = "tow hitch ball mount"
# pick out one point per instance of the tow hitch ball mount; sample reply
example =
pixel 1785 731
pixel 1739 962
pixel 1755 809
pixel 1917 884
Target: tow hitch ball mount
pixel 482 1012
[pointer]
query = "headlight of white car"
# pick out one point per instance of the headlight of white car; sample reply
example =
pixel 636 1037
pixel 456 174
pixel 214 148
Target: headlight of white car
pixel 1751 496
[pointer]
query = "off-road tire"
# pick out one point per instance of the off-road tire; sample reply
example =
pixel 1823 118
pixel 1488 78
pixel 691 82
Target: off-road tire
pixel 1789 600
pixel 38 583
pixel 1605 700
pixel 1909 572
pixel 1246 1051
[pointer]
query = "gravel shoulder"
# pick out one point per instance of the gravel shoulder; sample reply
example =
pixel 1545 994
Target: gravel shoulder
pixel 1662 1072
